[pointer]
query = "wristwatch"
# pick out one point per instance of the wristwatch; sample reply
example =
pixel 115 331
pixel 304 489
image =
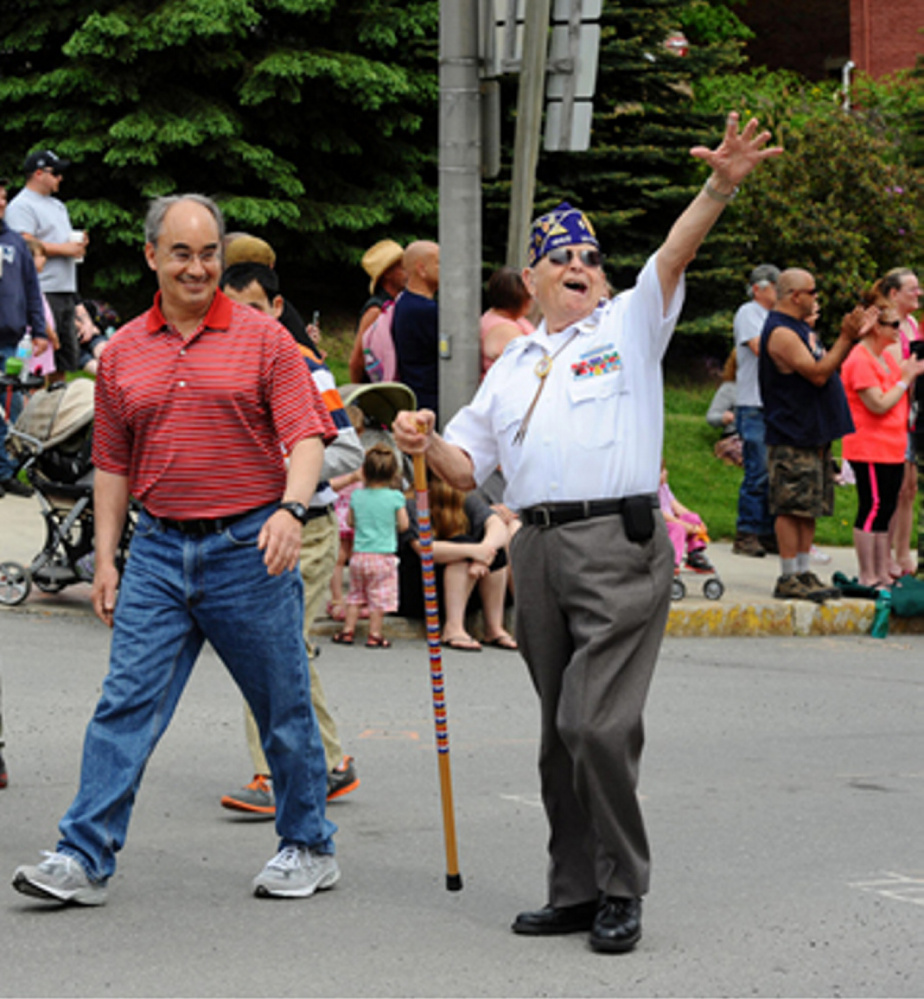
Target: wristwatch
pixel 298 510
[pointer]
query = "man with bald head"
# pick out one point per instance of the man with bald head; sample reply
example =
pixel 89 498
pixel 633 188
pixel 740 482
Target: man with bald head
pixel 415 326
pixel 199 402
pixel 805 409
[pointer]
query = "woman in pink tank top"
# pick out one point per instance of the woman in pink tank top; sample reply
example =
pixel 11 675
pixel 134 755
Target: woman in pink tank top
pixel 508 302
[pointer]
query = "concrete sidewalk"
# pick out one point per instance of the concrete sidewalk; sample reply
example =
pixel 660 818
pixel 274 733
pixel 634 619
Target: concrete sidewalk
pixel 746 608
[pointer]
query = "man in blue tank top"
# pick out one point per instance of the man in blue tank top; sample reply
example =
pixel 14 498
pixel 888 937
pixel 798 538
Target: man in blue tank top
pixel 805 409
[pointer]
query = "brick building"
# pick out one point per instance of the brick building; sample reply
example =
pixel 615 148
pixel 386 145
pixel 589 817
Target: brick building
pixel 817 37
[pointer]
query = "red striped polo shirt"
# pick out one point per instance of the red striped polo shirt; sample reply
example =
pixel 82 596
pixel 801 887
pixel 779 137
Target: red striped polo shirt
pixel 199 426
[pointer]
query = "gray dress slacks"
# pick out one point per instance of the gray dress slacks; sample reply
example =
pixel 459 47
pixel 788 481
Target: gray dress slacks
pixel 591 609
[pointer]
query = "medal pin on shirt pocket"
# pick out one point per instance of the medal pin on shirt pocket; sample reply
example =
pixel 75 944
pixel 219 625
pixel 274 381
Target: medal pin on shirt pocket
pixel 596 377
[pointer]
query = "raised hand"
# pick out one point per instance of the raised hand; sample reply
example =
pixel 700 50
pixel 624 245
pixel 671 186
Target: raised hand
pixel 739 153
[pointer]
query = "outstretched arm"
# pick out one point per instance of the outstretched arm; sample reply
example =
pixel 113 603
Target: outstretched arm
pixel 738 154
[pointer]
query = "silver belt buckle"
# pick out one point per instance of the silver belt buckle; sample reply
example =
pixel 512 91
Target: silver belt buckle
pixel 545 519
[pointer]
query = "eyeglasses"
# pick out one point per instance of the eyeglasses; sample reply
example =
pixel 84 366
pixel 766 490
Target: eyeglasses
pixel 808 291
pixel 893 324
pixel 564 256
pixel 180 255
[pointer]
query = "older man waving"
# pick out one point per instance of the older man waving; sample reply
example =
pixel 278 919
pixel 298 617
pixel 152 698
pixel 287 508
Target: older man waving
pixel 573 416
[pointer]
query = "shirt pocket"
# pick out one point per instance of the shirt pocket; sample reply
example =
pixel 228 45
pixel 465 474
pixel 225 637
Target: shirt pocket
pixel 507 423
pixel 513 407
pixel 594 406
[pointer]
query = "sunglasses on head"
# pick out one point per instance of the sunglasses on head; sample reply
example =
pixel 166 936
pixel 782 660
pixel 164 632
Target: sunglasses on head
pixel 564 256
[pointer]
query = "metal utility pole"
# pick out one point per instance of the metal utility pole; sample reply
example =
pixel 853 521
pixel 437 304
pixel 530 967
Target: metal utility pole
pixel 460 205
pixel 528 131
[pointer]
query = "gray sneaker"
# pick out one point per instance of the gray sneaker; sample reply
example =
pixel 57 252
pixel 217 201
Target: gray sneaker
pixel 59 878
pixel 296 872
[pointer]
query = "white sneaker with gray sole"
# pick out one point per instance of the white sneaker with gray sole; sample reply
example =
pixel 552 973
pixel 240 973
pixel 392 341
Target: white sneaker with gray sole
pixel 59 878
pixel 296 872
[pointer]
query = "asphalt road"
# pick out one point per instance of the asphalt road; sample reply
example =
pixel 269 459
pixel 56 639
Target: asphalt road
pixel 783 784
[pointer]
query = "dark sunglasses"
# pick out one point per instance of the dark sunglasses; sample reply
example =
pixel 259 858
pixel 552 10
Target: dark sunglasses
pixel 894 324
pixel 564 256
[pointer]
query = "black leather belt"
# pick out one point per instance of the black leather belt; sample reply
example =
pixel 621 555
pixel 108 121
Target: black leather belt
pixel 556 514
pixel 202 527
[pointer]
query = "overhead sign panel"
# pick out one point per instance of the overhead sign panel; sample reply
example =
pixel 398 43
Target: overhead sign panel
pixel 572 74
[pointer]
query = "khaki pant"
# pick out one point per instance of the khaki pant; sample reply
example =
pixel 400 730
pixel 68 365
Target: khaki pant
pixel 320 544
pixel 591 608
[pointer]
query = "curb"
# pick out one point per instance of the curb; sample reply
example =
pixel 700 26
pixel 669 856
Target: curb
pixel 785 618
pixel 688 618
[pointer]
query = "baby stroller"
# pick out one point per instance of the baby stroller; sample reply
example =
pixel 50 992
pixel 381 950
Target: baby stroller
pixel 52 441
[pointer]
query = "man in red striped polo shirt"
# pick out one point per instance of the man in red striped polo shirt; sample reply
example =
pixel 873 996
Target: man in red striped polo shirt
pixel 201 416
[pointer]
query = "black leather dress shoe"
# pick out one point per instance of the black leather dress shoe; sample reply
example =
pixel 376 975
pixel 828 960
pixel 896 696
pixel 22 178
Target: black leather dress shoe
pixel 554 920
pixel 618 926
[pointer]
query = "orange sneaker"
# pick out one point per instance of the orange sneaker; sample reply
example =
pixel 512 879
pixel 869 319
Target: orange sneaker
pixel 342 779
pixel 256 798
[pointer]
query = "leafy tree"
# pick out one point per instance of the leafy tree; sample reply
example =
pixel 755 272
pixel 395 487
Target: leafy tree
pixel 844 201
pixel 311 121
pixel 893 107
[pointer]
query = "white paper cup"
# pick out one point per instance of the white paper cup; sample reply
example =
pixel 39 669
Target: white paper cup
pixel 77 236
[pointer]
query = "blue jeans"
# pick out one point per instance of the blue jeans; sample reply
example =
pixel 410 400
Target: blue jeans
pixel 753 498
pixel 177 592
pixel 7 468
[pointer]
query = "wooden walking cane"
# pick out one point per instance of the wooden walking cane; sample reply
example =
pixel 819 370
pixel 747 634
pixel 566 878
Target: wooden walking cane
pixel 453 877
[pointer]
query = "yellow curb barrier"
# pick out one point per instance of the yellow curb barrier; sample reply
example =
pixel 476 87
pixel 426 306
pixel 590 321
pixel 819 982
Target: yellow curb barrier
pixel 786 618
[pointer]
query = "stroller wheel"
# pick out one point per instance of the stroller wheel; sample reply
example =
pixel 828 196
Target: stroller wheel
pixel 47 585
pixel 15 584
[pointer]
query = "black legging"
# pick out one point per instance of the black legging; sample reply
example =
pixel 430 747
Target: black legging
pixel 878 485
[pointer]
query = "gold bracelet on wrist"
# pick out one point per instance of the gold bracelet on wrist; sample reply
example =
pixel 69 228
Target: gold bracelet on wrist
pixel 725 199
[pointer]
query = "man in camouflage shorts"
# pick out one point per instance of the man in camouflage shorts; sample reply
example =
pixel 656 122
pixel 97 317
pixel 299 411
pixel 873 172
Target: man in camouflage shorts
pixel 802 485
pixel 801 480
pixel 805 409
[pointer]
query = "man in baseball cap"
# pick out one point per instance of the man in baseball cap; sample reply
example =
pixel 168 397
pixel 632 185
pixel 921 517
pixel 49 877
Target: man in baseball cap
pixel 45 159
pixel 754 527
pixel 35 211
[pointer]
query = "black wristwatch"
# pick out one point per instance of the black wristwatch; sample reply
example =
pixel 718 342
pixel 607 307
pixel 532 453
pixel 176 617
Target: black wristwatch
pixel 298 510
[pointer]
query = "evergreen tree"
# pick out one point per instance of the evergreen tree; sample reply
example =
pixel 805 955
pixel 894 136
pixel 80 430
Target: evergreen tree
pixel 311 121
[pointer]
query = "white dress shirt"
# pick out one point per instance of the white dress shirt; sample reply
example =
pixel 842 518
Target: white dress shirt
pixel 597 429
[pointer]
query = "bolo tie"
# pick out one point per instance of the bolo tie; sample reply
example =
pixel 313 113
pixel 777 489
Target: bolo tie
pixel 542 369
